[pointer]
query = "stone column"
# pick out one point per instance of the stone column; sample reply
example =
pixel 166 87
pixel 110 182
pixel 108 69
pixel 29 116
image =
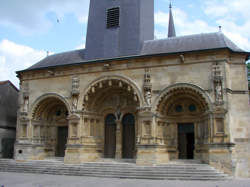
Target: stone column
pixel 118 153
pixel 72 152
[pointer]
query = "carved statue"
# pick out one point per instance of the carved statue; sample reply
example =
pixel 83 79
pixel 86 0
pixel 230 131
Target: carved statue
pixel 218 92
pixel 217 81
pixel 75 84
pixel 75 92
pixel 25 104
pixel 148 97
pixel 74 103
pixel 147 86
pixel 25 95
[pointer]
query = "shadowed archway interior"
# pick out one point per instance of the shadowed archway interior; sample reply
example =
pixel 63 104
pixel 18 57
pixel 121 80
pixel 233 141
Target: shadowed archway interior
pixel 50 126
pixel 185 119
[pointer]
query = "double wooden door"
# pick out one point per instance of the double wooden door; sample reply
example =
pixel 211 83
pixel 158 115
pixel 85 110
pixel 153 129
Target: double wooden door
pixel 128 136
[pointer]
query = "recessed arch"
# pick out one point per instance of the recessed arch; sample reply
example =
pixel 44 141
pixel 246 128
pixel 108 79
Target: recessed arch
pixel 183 89
pixel 50 123
pixel 117 79
pixel 185 108
pixel 44 97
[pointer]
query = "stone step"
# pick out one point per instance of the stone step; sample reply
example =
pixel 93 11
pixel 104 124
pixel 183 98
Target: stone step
pixel 115 169
pixel 201 166
pixel 135 176
pixel 178 171
pixel 129 174
pixel 124 167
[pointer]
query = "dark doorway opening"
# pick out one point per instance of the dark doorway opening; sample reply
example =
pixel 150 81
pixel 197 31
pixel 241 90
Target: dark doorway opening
pixel 128 136
pixel 110 137
pixel 8 147
pixel 62 136
pixel 186 140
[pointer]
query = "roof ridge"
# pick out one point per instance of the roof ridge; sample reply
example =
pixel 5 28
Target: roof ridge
pixel 66 52
pixel 179 37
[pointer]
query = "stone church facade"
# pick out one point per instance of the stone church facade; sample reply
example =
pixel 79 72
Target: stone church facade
pixel 129 96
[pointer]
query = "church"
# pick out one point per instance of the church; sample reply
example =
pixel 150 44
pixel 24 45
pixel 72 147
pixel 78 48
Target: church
pixel 130 96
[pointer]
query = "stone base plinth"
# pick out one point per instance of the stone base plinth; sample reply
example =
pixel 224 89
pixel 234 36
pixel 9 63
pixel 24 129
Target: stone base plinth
pixel 82 153
pixel 220 157
pixel 152 155
pixel 25 152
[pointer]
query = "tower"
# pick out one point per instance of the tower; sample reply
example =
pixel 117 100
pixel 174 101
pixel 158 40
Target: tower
pixel 118 27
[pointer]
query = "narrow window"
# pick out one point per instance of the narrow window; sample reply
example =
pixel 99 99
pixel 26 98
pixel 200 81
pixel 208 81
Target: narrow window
pixel 113 17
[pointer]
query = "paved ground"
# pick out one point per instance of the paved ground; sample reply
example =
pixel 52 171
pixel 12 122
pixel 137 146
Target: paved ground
pixel 37 180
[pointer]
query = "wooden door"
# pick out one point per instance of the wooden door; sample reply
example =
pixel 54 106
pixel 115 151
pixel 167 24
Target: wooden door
pixel 110 137
pixel 61 141
pixel 128 143
pixel 186 140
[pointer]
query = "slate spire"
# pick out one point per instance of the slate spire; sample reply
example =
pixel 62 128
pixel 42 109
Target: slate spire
pixel 171 27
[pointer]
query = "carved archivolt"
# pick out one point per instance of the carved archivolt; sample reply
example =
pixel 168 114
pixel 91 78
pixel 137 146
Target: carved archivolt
pixel 110 91
pixel 185 93
pixel 46 101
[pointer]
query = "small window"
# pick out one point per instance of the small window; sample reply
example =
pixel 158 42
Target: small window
pixel 192 108
pixel 178 108
pixel 113 17
pixel 58 112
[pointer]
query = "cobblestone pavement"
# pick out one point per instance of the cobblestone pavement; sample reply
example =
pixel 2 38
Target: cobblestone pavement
pixel 38 180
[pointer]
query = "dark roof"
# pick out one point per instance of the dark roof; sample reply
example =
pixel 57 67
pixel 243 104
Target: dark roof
pixel 188 43
pixel 10 83
pixel 181 44
pixel 60 59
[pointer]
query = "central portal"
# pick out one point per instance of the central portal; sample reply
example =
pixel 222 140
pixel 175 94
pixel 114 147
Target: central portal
pixel 186 140
pixel 128 140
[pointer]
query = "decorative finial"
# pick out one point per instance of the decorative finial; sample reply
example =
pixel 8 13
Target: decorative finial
pixel 220 29
pixel 170 4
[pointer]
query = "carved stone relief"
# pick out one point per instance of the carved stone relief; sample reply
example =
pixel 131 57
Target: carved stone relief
pixel 217 84
pixel 147 87
pixel 25 98
pixel 75 92
pixel 147 128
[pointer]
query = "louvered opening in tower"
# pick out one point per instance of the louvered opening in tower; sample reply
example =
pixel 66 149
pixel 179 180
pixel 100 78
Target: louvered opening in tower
pixel 113 17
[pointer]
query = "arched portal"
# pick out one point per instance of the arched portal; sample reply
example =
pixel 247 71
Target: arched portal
pixel 184 120
pixel 50 126
pixel 105 98
pixel 128 136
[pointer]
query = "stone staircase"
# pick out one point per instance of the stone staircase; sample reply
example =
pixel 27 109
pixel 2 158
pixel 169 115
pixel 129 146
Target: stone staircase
pixel 176 170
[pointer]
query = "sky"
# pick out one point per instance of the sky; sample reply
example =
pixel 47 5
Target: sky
pixel 30 28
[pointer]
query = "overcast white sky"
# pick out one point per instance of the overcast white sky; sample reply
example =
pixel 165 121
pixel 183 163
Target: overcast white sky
pixel 29 28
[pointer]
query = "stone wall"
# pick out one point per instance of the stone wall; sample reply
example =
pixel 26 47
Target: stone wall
pixel 211 80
